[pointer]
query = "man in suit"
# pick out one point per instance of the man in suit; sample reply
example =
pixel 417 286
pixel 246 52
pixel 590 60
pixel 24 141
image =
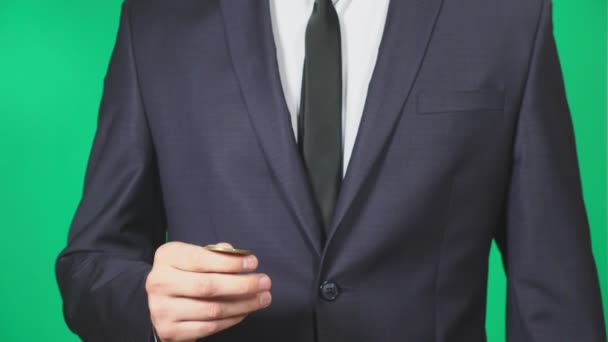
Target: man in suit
pixel 367 152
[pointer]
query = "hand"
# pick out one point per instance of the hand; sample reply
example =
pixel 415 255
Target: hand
pixel 194 292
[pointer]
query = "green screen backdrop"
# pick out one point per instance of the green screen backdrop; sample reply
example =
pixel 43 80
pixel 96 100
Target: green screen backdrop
pixel 53 58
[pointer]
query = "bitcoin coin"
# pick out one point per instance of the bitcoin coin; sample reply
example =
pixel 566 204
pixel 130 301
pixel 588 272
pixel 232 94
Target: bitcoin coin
pixel 227 250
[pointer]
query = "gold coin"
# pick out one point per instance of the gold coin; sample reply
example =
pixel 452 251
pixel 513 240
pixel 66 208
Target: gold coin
pixel 227 250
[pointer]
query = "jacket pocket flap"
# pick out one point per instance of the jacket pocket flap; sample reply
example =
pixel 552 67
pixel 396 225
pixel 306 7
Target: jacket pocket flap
pixel 430 102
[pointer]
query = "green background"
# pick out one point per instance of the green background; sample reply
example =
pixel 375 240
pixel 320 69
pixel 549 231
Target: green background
pixel 53 57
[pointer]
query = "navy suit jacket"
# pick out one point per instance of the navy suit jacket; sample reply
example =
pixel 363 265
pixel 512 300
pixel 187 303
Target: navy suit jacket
pixel 466 138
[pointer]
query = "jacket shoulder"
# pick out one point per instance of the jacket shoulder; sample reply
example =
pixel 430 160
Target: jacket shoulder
pixel 160 11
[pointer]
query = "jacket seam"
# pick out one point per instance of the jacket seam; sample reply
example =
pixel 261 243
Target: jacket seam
pixel 153 155
pixel 515 301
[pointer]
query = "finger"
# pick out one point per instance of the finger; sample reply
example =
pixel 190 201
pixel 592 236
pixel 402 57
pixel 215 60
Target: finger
pixel 213 285
pixel 188 309
pixel 193 258
pixel 193 330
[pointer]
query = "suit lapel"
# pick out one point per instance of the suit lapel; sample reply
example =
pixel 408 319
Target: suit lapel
pixel 407 33
pixel 251 43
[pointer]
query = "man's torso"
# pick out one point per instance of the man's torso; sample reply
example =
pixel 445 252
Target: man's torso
pixel 424 190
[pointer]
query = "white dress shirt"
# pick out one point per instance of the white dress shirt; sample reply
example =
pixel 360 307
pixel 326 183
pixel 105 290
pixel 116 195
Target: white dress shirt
pixel 361 25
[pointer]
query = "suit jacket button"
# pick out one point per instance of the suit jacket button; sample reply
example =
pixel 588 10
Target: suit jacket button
pixel 329 291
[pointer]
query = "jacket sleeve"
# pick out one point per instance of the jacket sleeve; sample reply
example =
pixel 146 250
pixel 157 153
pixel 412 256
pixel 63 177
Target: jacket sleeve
pixel 120 220
pixel 552 285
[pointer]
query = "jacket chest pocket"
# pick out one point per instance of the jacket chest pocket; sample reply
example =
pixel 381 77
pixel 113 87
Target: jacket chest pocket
pixel 455 124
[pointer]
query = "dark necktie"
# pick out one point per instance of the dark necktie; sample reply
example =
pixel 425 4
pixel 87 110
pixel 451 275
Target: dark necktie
pixel 320 118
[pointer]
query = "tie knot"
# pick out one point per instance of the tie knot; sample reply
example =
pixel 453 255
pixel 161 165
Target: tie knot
pixel 325 4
